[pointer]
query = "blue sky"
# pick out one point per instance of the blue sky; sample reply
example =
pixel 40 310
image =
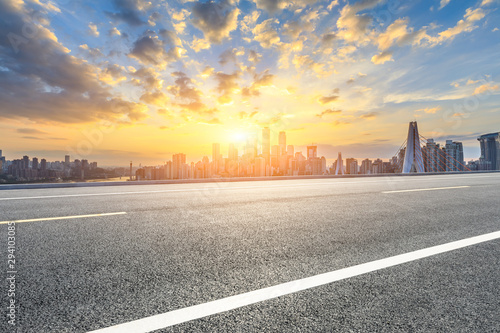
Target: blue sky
pixel 174 76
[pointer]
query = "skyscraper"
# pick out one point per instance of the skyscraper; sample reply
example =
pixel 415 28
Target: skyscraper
pixel 434 159
pixel 282 143
pixel 266 145
pixel 454 156
pixel 215 157
pixel 178 161
pixel 339 170
pixel 490 151
pixel 312 152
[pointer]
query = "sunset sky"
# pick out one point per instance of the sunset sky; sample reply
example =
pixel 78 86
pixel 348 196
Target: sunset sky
pixel 122 80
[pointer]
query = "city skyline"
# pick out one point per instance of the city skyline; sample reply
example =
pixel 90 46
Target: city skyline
pixel 149 80
pixel 259 157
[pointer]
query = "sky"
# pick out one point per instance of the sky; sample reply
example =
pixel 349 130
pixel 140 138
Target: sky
pixel 121 80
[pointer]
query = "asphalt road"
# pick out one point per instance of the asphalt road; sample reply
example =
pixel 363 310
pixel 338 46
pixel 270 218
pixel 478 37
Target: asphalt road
pixel 179 245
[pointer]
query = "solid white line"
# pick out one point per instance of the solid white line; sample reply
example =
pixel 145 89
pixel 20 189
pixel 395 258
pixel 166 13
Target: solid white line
pixel 175 317
pixel 63 217
pixel 229 188
pixel 426 189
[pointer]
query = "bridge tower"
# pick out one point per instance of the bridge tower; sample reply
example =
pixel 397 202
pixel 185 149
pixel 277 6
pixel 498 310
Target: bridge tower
pixel 339 170
pixel 413 160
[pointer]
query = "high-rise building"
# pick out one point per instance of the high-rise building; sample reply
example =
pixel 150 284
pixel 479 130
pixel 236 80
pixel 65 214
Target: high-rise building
pixel 348 166
pixel 34 163
pixel 339 167
pixel 266 145
pixel 312 152
pixel 454 156
pixel 260 167
pixel 66 161
pixel 43 164
pixel 490 151
pixel 282 143
pixel 290 150
pixel 433 157
pixel 178 161
pixel 215 157
pixel 366 166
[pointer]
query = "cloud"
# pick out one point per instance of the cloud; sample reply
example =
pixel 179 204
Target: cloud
pixel 382 58
pixel 305 62
pixel 266 34
pixel 330 98
pixel 254 57
pixel 430 110
pixel 264 79
pixel 114 32
pixel 91 52
pixel 44 83
pixel 150 50
pixel 443 4
pixel 354 28
pixel 157 98
pixel 215 19
pixel 129 11
pixel 188 97
pixel 466 25
pixel 227 86
pixel 486 88
pixel 147 78
pixel 328 112
pixel 93 30
pixel 30 131
pixel 370 115
pixel 272 6
pixel 112 74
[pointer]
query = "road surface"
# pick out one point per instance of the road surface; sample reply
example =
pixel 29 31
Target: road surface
pixel 93 258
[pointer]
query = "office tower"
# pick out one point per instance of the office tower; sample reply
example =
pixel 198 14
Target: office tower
pixel 434 159
pixel 282 143
pixel 26 162
pixel 490 151
pixel 66 161
pixel 290 150
pixel 260 167
pixel 215 158
pixel 378 166
pixel 348 163
pixel 413 161
pixel 323 165
pixel 34 163
pixel 43 164
pixel 366 166
pixel 352 167
pixel 454 156
pixel 275 149
pixel 266 144
pixel 178 161
pixel 0 153
pixel 312 152
pixel 339 170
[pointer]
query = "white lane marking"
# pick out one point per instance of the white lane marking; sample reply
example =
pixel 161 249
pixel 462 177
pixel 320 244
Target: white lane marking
pixel 179 316
pixel 63 217
pixel 426 189
pixel 360 181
